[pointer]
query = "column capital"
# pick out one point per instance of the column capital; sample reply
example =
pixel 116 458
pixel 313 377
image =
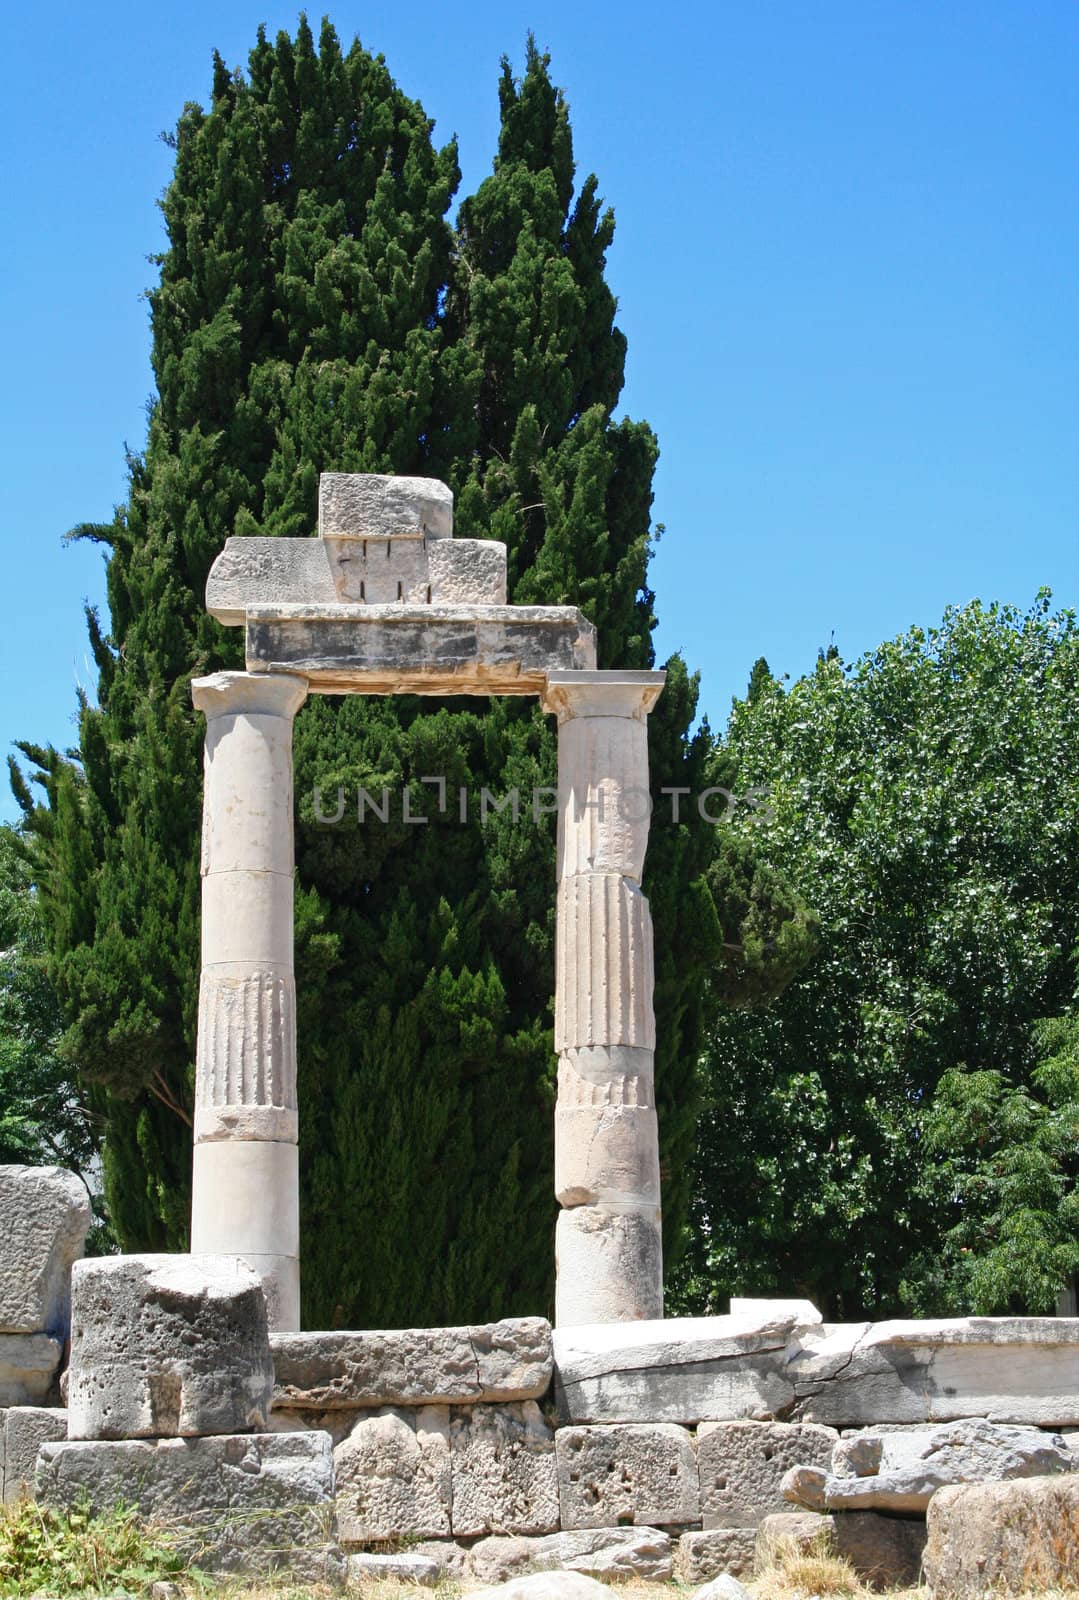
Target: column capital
pixel 602 694
pixel 265 694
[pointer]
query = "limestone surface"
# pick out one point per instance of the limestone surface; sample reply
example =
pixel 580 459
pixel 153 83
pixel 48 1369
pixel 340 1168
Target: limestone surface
pixel 167 1346
pixel 804 1312
pixel 644 1553
pixel 393 1476
pixel 503 1361
pixel 913 1466
pixel 249 1503
pixel 705 1555
pixel 252 572
pixel 742 1466
pixel 29 1363
pixel 609 1262
pixel 885 1552
pixel 419 649
pixel 684 1369
pixel 44 1217
pixel 364 1566
pixel 725 1587
pixel 504 1478
pixel 24 1429
pixel 1003 1538
pixel 626 1473
pixel 547 1586
pixel 1010 1369
pixel 465 572
pixel 371 505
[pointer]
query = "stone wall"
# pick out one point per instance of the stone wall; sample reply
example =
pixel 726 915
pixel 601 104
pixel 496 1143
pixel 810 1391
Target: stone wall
pixel 651 1448
pixel 654 1448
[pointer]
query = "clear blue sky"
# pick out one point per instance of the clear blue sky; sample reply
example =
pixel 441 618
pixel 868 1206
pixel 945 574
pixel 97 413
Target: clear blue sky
pixel 846 261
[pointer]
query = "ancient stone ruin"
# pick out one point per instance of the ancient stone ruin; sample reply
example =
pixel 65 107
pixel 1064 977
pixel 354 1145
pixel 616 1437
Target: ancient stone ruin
pixel 617 1444
pixel 386 601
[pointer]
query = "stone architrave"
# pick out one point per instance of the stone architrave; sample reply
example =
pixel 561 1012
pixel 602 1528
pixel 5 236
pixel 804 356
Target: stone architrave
pixel 608 1241
pixel 245 1190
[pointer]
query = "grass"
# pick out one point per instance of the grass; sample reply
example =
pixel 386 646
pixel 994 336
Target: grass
pixel 71 1553
pixel 76 1556
pixel 789 1569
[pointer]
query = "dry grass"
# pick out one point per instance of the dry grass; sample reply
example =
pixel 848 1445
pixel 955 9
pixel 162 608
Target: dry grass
pixel 789 1569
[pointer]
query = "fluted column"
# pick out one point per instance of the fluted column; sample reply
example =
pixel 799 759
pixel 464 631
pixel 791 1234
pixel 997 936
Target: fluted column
pixel 245 1186
pixel 608 1245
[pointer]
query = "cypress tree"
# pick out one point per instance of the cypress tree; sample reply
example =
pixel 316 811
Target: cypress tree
pixel 315 312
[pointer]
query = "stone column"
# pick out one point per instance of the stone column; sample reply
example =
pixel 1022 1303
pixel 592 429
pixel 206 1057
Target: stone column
pixel 608 1243
pixel 245 1189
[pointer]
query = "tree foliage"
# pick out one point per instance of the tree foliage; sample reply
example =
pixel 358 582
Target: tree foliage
pixel 45 1117
pixel 926 803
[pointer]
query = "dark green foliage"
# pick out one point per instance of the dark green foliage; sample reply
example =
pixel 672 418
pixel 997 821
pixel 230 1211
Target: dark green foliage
pixel 1008 1155
pixel 926 802
pixel 315 312
pixel 44 1116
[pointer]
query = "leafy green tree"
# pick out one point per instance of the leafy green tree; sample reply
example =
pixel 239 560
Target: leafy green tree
pixel 315 312
pixel 1009 1160
pixel 45 1119
pixel 926 803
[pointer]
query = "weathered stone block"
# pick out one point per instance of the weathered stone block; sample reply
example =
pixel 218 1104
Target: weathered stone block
pixel 504 1478
pixel 29 1363
pixel 401 649
pixel 1012 1537
pixel 742 1466
pixel 423 1571
pixel 467 572
pixel 23 1430
pixel 44 1216
pixel 1010 1369
pixel 393 1476
pixel 509 1360
pixel 252 569
pixel 168 1345
pixel 913 1466
pixel 249 1503
pixel 684 1369
pixel 600 1552
pixel 627 1473
pixel 609 1266
pixel 371 505
pixel 705 1555
pixel 547 1586
pixel 885 1552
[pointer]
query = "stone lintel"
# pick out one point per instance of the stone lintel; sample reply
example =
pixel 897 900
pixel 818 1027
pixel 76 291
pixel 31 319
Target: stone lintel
pixel 602 694
pixel 440 650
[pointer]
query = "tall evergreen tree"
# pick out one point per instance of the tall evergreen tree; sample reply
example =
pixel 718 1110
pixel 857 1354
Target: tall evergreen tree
pixel 315 312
